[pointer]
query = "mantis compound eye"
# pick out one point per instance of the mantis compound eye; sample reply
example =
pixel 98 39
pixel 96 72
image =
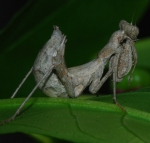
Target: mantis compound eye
pixel 129 29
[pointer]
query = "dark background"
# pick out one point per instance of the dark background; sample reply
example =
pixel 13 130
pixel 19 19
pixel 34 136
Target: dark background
pixel 10 7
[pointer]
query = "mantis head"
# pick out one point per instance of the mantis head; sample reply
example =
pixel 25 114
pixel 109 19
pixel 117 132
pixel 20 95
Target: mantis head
pixel 129 29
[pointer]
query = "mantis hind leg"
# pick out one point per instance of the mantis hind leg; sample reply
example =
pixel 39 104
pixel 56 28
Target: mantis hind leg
pixel 31 93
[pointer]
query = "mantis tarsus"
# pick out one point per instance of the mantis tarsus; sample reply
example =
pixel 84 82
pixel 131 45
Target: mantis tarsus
pixel 56 80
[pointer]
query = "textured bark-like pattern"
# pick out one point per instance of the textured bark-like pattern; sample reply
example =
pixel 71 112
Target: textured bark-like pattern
pixel 70 82
pixel 51 85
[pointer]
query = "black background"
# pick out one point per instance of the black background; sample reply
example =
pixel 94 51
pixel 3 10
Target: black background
pixel 9 7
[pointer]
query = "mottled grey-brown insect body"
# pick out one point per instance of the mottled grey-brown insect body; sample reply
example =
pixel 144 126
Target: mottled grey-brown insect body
pixel 56 80
pixel 51 85
pixel 72 81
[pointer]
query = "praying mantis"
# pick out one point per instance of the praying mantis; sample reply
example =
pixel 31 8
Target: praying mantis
pixel 56 80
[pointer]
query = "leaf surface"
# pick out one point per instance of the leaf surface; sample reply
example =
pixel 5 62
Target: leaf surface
pixel 81 120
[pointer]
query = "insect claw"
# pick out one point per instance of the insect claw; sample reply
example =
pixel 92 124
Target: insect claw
pixel 120 106
pixel 6 121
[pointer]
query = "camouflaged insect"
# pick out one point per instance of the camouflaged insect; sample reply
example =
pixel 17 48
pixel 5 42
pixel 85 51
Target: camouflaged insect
pixel 56 80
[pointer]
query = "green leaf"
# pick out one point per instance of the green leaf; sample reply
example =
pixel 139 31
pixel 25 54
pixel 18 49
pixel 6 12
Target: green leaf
pixel 80 120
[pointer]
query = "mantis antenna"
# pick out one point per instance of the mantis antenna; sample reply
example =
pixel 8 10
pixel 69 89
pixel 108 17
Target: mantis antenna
pixel 135 9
